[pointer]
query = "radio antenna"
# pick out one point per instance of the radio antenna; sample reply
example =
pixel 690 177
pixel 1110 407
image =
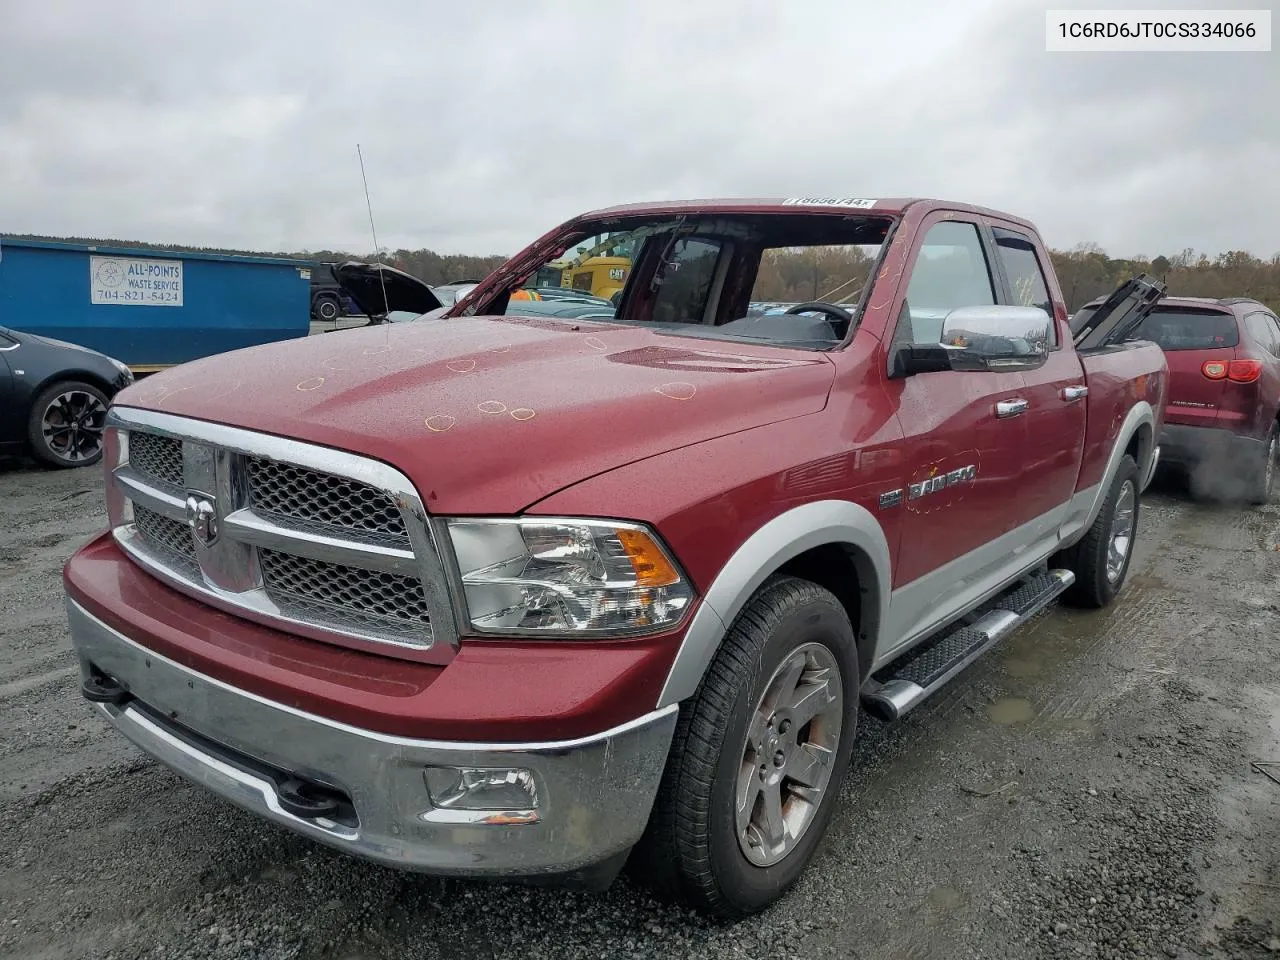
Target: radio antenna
pixel 377 252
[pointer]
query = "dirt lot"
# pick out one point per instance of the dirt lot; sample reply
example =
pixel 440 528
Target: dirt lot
pixel 1085 791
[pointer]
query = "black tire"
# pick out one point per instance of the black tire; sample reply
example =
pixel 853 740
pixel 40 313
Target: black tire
pixel 65 424
pixel 1262 478
pixel 1088 559
pixel 327 309
pixel 691 849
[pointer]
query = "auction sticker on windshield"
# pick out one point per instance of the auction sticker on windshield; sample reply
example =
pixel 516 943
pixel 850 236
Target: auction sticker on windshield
pixel 130 281
pixel 828 202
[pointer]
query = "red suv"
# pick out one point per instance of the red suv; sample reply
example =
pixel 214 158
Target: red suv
pixel 1224 391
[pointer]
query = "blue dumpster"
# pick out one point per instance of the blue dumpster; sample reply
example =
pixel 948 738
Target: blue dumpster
pixel 151 308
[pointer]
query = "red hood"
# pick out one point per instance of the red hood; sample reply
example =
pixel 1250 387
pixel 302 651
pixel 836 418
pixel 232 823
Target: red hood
pixel 490 414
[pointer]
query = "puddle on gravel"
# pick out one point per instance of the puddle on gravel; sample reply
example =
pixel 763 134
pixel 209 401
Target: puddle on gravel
pixel 1010 710
pixel 1040 652
pixel 1022 668
pixel 1079 725
pixel 944 898
pixel 1147 581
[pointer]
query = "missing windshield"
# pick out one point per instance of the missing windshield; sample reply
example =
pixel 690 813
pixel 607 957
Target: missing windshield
pixel 787 279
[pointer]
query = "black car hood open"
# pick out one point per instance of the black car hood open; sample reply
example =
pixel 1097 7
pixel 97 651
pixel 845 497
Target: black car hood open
pixel 1119 315
pixel 378 289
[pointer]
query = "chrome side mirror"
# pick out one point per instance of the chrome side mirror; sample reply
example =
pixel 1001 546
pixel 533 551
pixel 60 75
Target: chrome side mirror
pixel 993 338
pixel 997 337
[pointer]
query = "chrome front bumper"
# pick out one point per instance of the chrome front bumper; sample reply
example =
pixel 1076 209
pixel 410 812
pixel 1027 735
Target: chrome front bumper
pixel 593 794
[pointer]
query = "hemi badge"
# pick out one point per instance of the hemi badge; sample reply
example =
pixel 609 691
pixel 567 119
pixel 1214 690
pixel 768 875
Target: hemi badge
pixel 890 499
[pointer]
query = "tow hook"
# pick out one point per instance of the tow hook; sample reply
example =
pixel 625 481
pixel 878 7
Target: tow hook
pixel 102 689
pixel 307 801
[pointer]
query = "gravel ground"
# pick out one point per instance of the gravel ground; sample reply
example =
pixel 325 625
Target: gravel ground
pixel 1083 791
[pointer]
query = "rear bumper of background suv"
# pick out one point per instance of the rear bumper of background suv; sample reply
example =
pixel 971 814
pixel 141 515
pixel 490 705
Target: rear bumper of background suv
pixel 1190 446
pixel 593 794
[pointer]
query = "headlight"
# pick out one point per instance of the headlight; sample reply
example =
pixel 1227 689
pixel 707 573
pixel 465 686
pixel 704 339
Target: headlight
pixel 566 577
pixel 122 367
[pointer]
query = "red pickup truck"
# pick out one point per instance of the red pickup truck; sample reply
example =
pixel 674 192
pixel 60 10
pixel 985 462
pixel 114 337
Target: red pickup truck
pixel 501 595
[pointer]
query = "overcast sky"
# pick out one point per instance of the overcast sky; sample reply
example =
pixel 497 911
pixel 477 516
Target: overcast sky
pixel 482 125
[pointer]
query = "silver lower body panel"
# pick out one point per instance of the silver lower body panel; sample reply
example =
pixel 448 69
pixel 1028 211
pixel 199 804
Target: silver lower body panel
pixel 594 794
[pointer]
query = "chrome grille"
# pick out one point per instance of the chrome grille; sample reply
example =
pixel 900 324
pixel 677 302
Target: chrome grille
pixel 164 534
pixel 157 457
pixel 394 600
pixel 307 539
pixel 286 490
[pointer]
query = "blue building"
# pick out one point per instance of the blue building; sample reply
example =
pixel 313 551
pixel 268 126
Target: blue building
pixel 151 308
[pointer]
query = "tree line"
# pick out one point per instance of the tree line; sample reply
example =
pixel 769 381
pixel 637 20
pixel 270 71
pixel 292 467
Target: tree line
pixel 1084 271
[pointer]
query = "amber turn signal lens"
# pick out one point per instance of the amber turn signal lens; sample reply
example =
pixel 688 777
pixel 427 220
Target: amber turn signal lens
pixel 1214 369
pixel 651 565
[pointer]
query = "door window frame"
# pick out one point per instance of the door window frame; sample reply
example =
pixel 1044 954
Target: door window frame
pixel 1006 294
pixel 913 258
pixel 1269 323
pixel 1267 344
pixel 1275 329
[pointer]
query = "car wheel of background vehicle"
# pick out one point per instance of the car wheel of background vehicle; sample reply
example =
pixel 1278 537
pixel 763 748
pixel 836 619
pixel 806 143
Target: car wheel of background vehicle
pixel 1263 481
pixel 327 308
pixel 759 755
pixel 66 424
pixel 1101 559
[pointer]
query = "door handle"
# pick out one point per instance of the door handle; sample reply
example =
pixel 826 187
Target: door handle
pixel 1010 408
pixel 1075 392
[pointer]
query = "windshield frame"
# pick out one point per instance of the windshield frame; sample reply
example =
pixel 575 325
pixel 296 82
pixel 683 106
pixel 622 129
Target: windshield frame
pixel 553 246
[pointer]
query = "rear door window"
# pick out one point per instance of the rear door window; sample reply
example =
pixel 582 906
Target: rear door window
pixel 1260 328
pixel 1274 324
pixel 1189 329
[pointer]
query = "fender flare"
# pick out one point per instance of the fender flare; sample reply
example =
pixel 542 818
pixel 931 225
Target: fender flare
pixel 783 538
pixel 1140 415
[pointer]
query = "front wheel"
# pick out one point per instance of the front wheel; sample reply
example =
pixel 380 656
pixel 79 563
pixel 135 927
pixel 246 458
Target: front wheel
pixel 67 423
pixel 759 755
pixel 1101 559
pixel 327 309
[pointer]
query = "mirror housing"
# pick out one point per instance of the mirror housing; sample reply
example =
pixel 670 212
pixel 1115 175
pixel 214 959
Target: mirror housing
pixel 462 291
pixel 995 338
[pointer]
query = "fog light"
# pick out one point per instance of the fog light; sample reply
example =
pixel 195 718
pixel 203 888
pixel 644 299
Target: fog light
pixel 510 794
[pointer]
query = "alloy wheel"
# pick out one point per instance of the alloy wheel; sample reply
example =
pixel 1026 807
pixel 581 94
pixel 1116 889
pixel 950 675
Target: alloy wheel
pixel 789 753
pixel 1123 520
pixel 73 425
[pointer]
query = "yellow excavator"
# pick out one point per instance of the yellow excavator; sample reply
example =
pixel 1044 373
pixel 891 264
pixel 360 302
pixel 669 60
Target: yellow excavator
pixel 600 270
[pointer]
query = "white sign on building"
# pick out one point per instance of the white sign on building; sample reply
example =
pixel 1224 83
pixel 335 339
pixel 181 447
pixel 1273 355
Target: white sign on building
pixel 130 281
